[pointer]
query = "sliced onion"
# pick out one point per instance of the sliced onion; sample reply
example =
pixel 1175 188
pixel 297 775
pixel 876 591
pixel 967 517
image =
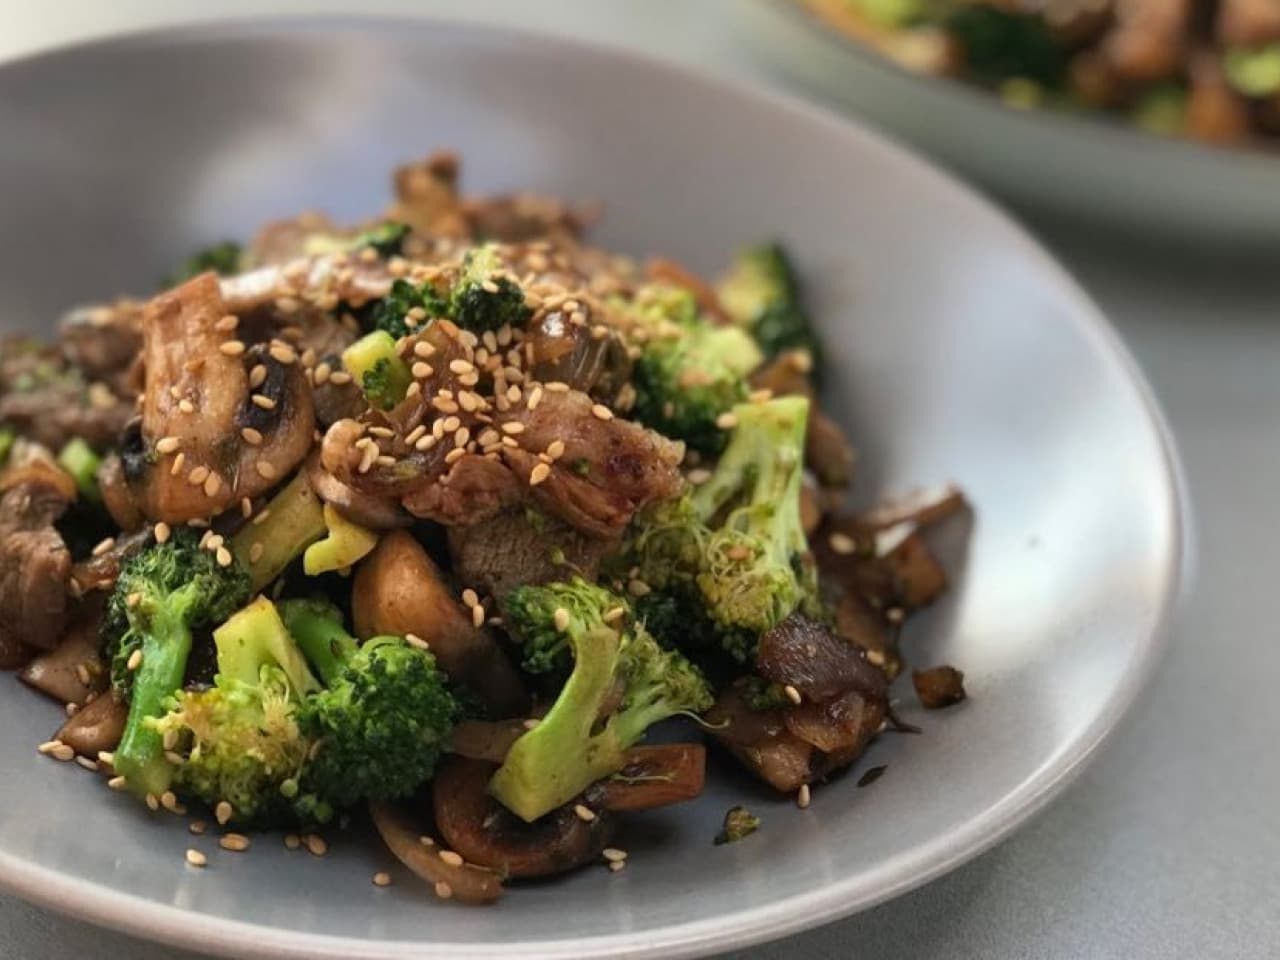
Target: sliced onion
pixel 466 882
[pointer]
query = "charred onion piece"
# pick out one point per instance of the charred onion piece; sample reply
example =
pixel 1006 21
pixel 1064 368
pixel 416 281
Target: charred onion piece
pixel 468 883
pixel 483 831
pixel 399 590
pixel 938 687
pixel 654 776
pixel 819 664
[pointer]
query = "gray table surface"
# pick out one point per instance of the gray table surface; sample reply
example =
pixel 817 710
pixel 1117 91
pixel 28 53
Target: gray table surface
pixel 1168 845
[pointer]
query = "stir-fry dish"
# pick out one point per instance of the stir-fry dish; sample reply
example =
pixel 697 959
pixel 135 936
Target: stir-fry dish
pixel 1204 69
pixel 436 517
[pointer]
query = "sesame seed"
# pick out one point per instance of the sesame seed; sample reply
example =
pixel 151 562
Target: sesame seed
pixel 477 616
pixel 232 348
pixel 875 658
pixel 385 460
pixel 321 374
pixel 792 693
pixel 454 455
pixel 226 323
pixel 235 842
pixel 699 476
pixel 513 427
pixel 223 556
pixel 760 396
pixel 726 421
pixel 531 723
pixel 385 432
pixel 255 552
pixel 583 812
pixel 292 841
pixel 802 796
pixel 135 658
pixel 895 615
pixel 555 449
pixel 263 402
pixel 104 546
pixel 82 674
pixel 613 854
pixel 601 412
pixel 638 588
pixel 556 386
pixel 70 708
pixel 426 841
pixel 168 445
pixel 161 531
pixel 197 827
pixel 340 378
pixel 539 474
pixel 443 890
pixel 425 443
pixel 535 398
pixel 152 802
pixel 842 543
pixel 178 462
pixel 117 783
pixel 461 367
pixel 416 641
pixel 257 376
pixel 169 801
pixel 196 858
pixel 316 845
pixel 461 437
pixel 212 485
pixel 470 598
pixel 382 879
pixel 133 599
pixel 422 370
pixel 222 812
pixel 265 470
pixel 186 406
pixel 451 858
pixel 62 751
pixel 198 475
pixel 289 304
pixel 283 353
pixel 617 866
pixel 469 401
pixel 513 394
pixel 423 349
pixel 262 517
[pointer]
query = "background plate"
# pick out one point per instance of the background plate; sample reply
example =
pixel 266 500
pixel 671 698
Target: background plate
pixel 957 350
pixel 1081 167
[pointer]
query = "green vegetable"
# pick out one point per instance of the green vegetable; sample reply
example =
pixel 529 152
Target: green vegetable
pixel 1254 71
pixel 386 238
pixel 382 718
pixel 241 739
pixel 1162 110
pixel 485 298
pixel 737 543
pixel 379 369
pixel 391 312
pixel 222 258
pixel 762 294
pixel 689 372
pixel 892 13
pixel 573 745
pixel 161 596
pixel 7 437
pixel 739 822
pixel 999 44
pixel 79 460
pixel 345 543
pixel 294 519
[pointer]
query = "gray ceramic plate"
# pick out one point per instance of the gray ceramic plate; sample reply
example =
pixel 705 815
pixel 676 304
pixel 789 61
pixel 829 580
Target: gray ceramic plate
pixel 958 350
pixel 1083 167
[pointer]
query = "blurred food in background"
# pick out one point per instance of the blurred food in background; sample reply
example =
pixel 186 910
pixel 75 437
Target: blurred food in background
pixel 1208 70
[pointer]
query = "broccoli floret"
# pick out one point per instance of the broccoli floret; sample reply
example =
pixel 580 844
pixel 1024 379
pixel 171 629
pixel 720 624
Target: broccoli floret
pixel 222 258
pixel 161 596
pixel 386 238
pixel 738 538
pixel 999 44
pixel 573 746
pixel 689 372
pixel 382 718
pixel 739 822
pixel 78 459
pixel 379 369
pixel 392 311
pixel 761 293
pixel 483 297
pixel 544 634
pixel 240 739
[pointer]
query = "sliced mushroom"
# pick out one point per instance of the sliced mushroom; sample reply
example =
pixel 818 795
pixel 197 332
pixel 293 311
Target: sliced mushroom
pixel 483 831
pixel 95 727
pixel 399 590
pixel 116 495
pixel 72 671
pixel 654 776
pixel 376 513
pixel 218 423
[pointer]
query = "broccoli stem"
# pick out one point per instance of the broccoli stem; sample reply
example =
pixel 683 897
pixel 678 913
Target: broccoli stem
pixel 316 627
pixel 256 637
pixel 79 460
pixel 529 787
pixel 140 756
pixel 294 520
pixel 381 372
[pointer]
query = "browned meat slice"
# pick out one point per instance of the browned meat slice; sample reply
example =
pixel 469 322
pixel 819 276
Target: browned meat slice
pixel 218 422
pixel 1149 39
pixel 602 469
pixel 521 217
pixel 521 547
pixel 277 242
pixel 476 489
pixel 99 571
pixel 1248 23
pixel 104 342
pixel 34 561
pixel 938 687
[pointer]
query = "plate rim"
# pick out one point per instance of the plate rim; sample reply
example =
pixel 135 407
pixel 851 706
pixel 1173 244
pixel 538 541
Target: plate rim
pixel 176 926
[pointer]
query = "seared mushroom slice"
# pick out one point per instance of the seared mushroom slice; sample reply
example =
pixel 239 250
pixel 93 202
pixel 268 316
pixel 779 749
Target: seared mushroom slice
pixel 398 590
pixel 103 341
pixel 427 195
pixel 218 423
pixel 95 727
pixel 72 671
pixel 376 513
pixel 521 546
pixel 483 831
